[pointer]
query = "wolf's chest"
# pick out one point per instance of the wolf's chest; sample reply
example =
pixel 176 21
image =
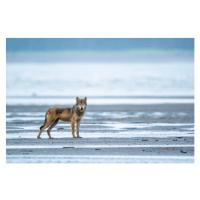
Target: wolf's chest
pixel 78 117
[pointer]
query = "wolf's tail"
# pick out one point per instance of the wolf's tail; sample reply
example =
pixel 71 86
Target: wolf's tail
pixel 44 122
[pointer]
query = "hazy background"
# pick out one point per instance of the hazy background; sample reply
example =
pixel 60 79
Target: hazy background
pixel 52 68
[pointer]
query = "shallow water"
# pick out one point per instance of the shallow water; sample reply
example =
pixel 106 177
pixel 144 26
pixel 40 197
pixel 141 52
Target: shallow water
pixel 17 126
pixel 94 146
pixel 99 159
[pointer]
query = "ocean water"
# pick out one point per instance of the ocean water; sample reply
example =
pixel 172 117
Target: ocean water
pixel 100 79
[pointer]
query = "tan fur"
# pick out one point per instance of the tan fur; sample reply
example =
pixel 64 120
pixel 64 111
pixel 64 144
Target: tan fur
pixel 72 114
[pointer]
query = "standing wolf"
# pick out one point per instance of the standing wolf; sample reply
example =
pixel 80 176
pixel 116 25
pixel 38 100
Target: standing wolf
pixel 69 114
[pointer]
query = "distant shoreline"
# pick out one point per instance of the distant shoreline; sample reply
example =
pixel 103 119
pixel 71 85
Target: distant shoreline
pixel 101 97
pixel 150 55
pixel 96 101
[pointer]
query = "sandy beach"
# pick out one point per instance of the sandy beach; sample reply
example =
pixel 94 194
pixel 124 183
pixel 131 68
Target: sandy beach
pixel 162 133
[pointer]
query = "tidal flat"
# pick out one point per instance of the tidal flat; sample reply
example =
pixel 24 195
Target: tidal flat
pixel 150 133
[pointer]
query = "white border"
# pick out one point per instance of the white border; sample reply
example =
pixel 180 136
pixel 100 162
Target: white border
pixel 98 19
pixel 2 100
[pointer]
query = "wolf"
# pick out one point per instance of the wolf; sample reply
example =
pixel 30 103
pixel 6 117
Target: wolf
pixel 69 114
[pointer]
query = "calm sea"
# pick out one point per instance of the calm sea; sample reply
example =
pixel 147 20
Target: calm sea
pixel 35 81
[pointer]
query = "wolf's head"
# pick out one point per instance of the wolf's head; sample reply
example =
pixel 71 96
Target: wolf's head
pixel 81 104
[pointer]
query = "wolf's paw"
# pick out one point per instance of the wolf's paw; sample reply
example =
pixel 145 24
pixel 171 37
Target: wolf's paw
pixel 38 137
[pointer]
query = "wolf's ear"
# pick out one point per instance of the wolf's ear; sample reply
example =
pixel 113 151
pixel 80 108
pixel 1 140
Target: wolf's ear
pixel 85 98
pixel 77 98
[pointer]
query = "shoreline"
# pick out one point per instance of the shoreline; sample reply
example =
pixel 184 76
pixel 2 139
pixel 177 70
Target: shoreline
pixel 126 56
pixel 97 101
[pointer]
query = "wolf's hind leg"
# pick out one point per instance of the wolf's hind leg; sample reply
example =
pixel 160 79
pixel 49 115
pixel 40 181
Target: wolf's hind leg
pixel 43 128
pixel 50 128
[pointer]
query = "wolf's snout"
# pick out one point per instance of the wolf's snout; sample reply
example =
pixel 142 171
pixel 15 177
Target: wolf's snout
pixel 81 108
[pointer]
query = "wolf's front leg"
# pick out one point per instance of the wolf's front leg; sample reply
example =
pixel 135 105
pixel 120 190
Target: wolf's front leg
pixel 73 128
pixel 77 128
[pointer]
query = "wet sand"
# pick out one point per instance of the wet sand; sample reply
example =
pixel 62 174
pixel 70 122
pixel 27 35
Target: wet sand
pixel 162 133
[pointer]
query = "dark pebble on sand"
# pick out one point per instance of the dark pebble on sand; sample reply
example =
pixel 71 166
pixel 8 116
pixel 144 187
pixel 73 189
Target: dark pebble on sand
pixel 60 128
pixel 145 140
pixel 183 151
pixel 97 149
pixel 175 140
